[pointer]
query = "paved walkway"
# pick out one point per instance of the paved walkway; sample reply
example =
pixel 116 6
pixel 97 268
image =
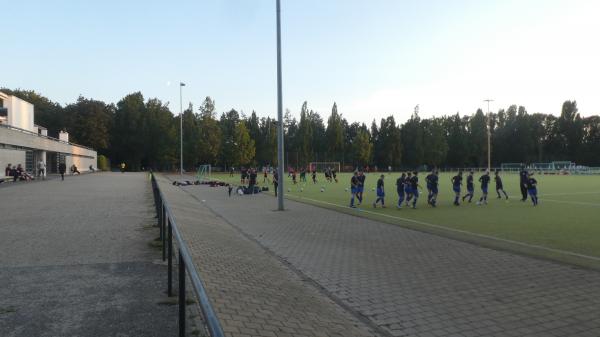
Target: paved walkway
pixel 75 259
pixel 406 283
pixel 252 292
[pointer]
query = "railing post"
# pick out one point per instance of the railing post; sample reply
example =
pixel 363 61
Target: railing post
pixel 181 296
pixel 164 234
pixel 161 218
pixel 170 261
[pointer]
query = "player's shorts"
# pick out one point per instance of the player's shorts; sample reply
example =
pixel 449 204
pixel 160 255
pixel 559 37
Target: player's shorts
pixel 484 189
pixel 499 187
pixel 380 192
pixel 456 189
pixel 532 192
pixel 415 192
pixel 353 190
pixel 434 190
pixel 408 190
pixel 470 190
pixel 400 192
pixel 360 189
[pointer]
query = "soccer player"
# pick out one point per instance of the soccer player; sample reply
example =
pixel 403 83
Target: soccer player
pixel 432 187
pixel 408 188
pixel 532 188
pixel 523 177
pixel 327 175
pixel 400 189
pixel 414 188
pixel 334 175
pixel 485 181
pixel 294 177
pixel 470 187
pixel 456 184
pixel 499 186
pixel 353 188
pixel 265 175
pixel 303 175
pixel 314 176
pixel 380 193
pixel 361 186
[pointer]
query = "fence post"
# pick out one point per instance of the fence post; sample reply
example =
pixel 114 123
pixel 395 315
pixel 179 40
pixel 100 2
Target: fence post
pixel 164 234
pixel 182 303
pixel 170 261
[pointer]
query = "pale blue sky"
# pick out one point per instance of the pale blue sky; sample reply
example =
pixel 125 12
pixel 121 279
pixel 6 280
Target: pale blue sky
pixel 374 58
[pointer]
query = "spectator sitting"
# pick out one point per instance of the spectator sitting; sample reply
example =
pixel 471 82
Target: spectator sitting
pixel 7 170
pixel 74 170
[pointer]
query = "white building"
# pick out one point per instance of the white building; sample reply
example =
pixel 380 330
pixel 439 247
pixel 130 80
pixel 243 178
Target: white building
pixel 22 142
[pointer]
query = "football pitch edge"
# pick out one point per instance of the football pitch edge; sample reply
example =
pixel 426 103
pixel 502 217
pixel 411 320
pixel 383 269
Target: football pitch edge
pixel 480 239
pixel 487 241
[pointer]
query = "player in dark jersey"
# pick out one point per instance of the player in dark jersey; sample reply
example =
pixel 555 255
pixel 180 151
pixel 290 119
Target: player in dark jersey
pixel 314 176
pixel 523 177
pixel 380 193
pixel 361 186
pixel 499 186
pixel 485 181
pixel 334 175
pixel 432 187
pixel 294 177
pixel 408 188
pixel 470 187
pixel 400 189
pixel 303 175
pixel 414 187
pixel 532 188
pixel 353 188
pixel 456 184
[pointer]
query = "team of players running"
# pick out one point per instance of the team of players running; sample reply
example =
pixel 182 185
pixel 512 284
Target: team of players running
pixel 407 188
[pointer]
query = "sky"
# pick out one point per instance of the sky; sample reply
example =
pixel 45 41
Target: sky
pixel 373 58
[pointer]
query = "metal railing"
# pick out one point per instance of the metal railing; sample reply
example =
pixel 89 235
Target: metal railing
pixel 168 229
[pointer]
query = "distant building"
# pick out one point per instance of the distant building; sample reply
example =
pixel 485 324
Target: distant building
pixel 23 142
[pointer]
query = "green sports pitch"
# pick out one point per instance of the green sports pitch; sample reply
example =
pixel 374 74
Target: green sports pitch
pixel 566 221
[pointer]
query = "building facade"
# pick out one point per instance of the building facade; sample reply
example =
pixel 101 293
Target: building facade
pixel 23 142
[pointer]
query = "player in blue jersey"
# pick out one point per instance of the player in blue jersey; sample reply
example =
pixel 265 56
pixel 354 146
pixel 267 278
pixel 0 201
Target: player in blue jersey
pixel 414 188
pixel 408 188
pixel 380 193
pixel 361 186
pixel 532 188
pixel 432 187
pixel 485 182
pixel 456 184
pixel 470 187
pixel 400 189
pixel 499 185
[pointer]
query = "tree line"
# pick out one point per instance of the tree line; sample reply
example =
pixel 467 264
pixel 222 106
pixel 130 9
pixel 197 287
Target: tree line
pixel 145 134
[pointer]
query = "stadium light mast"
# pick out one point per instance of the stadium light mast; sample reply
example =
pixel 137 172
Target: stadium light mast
pixel 181 85
pixel 489 134
pixel 279 113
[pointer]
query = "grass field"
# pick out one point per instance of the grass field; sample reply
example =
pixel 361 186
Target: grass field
pixel 567 220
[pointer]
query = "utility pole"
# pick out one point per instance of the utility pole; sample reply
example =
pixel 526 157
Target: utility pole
pixel 279 114
pixel 489 134
pixel 181 85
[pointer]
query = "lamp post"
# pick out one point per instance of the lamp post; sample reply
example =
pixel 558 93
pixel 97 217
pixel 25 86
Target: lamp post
pixel 489 134
pixel 279 113
pixel 181 85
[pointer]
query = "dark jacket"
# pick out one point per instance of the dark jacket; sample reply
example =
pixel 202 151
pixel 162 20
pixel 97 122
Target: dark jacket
pixel 62 168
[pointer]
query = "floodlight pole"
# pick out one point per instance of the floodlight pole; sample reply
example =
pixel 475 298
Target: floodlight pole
pixel 181 85
pixel 489 134
pixel 279 114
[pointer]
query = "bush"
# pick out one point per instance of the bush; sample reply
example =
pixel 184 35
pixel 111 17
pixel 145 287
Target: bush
pixel 103 163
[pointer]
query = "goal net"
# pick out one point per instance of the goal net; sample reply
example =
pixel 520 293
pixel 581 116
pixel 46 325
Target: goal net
pixel 321 166
pixel 204 172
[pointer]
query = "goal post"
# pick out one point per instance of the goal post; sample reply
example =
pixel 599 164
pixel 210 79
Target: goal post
pixel 321 166
pixel 204 172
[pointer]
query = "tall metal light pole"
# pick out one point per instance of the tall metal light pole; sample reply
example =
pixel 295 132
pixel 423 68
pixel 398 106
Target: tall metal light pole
pixel 279 114
pixel 181 85
pixel 489 135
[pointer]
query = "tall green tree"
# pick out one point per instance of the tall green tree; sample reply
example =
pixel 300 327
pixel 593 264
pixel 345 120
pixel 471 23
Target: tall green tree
pixel 335 135
pixel 210 133
pixel 245 150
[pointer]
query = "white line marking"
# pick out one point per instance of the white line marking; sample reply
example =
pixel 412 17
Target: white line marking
pixel 573 193
pixel 571 202
pixel 458 230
